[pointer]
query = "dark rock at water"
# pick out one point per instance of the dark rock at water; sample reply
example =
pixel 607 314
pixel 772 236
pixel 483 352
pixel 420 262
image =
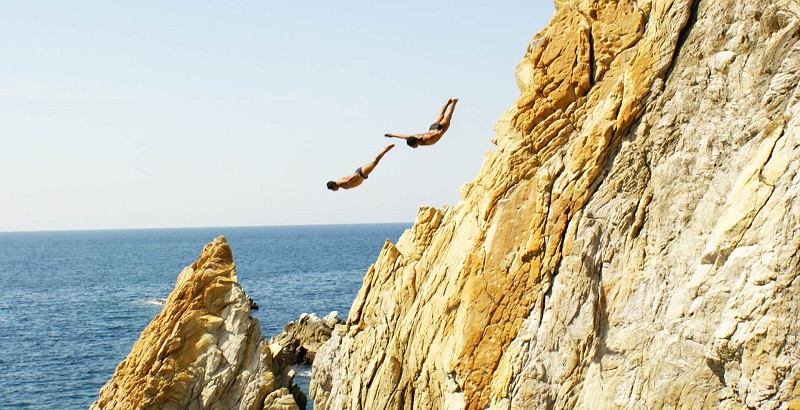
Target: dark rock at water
pixel 300 340
pixel 253 304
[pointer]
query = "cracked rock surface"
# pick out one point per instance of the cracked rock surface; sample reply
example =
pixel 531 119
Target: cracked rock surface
pixel 631 243
pixel 203 351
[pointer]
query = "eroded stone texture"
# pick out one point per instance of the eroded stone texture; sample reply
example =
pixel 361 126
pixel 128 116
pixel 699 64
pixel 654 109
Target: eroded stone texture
pixel 299 341
pixel 632 242
pixel 203 351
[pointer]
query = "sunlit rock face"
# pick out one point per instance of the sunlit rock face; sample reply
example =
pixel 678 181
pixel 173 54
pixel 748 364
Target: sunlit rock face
pixel 203 351
pixel 633 241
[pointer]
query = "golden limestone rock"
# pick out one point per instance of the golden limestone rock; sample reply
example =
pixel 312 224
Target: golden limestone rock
pixel 633 241
pixel 203 351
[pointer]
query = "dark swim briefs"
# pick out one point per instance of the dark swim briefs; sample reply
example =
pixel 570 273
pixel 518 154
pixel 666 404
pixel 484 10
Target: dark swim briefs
pixel 435 127
pixel 361 173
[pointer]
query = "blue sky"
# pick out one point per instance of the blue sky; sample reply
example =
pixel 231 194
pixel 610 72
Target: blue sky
pixel 183 114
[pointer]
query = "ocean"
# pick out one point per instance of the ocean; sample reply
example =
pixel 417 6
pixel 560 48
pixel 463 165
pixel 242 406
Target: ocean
pixel 73 303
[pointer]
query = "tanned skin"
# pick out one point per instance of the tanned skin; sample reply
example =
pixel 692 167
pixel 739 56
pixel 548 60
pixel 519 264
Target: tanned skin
pixel 431 137
pixel 354 180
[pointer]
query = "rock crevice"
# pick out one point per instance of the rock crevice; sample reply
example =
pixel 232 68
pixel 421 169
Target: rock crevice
pixel 203 350
pixel 631 243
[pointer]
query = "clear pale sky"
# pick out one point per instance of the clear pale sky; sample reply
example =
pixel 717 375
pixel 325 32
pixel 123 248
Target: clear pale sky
pixel 156 114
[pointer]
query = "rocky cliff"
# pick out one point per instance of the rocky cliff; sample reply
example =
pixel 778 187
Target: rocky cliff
pixel 633 242
pixel 203 351
pixel 299 341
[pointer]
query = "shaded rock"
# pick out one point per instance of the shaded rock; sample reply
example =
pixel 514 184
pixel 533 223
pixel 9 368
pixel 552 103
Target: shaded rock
pixel 203 350
pixel 633 241
pixel 253 304
pixel 299 341
pixel 325 372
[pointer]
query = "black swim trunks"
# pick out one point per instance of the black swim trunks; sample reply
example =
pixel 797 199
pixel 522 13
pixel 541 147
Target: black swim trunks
pixel 361 173
pixel 435 127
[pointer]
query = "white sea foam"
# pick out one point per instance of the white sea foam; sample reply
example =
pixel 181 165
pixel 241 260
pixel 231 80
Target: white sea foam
pixel 302 371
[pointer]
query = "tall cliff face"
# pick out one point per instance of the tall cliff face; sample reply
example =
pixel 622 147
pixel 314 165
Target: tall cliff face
pixel 203 351
pixel 633 241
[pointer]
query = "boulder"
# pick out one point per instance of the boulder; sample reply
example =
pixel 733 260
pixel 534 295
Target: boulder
pixel 299 341
pixel 203 351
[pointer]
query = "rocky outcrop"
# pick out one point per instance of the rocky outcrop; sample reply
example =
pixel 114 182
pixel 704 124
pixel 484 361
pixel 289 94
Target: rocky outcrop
pixel 633 241
pixel 203 351
pixel 299 341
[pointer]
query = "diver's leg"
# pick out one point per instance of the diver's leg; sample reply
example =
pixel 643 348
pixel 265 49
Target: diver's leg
pixel 366 169
pixel 441 114
pixel 446 121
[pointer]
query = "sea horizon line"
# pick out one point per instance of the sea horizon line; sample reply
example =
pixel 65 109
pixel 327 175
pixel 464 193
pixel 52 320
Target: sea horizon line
pixel 179 228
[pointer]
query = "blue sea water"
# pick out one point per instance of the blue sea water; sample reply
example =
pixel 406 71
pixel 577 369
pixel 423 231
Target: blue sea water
pixel 73 303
